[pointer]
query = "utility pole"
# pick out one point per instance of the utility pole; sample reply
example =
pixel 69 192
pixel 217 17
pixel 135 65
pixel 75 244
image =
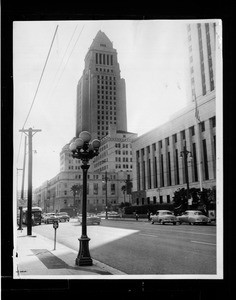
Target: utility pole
pixel 106 192
pixel 23 175
pixel 185 154
pixel 17 201
pixel 29 132
pixel 199 158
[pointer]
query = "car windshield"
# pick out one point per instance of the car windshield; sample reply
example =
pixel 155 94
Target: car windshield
pixel 166 213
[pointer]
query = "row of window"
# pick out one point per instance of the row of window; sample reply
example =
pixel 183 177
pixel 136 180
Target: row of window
pixel 103 127
pixel 94 201
pixel 105 123
pixel 118 166
pixel 106 97
pixel 106 87
pixel 104 70
pixel 106 102
pixel 106 93
pixel 165 167
pixel 123 152
pixel 106 82
pixel 102 77
pixel 107 112
pixel 182 133
pixel 154 200
pixel 122 145
pixel 125 159
pixel 104 59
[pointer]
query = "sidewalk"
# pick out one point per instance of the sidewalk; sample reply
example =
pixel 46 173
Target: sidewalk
pixel 35 258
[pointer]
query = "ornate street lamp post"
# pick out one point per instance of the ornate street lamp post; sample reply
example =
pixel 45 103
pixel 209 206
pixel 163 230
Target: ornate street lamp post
pixel 184 154
pixel 82 149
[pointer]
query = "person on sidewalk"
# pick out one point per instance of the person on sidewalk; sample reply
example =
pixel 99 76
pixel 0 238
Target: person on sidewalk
pixel 136 216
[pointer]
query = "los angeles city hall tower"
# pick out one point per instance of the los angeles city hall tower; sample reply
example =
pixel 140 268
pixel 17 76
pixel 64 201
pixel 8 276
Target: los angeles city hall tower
pixel 101 93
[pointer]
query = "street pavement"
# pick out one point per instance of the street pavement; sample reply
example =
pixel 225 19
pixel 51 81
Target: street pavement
pixel 35 257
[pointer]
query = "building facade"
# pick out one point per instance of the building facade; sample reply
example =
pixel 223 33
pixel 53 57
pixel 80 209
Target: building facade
pixel 115 153
pixel 158 169
pixel 202 51
pixel 101 93
pixel 104 188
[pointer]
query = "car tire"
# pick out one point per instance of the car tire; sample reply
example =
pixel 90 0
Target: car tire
pixel 162 222
pixel 174 223
pixel 152 222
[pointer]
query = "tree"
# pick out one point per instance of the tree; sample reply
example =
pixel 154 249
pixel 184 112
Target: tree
pixel 123 188
pixel 76 190
pixel 200 199
pixel 129 185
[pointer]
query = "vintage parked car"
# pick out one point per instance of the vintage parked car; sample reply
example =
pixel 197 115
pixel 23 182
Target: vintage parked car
pixel 63 217
pixel 193 217
pixel 163 217
pixel 91 219
pixel 49 218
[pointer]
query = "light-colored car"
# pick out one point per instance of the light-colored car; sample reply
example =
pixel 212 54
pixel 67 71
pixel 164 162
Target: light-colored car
pixel 91 219
pixel 63 217
pixel 193 217
pixel 163 217
pixel 49 218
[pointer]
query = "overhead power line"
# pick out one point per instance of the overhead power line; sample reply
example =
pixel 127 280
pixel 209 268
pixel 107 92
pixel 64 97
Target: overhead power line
pixel 68 58
pixel 64 57
pixel 41 77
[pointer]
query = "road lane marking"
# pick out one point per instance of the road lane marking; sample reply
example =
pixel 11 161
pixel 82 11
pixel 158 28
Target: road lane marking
pixel 148 235
pixel 182 231
pixel 194 232
pixel 198 242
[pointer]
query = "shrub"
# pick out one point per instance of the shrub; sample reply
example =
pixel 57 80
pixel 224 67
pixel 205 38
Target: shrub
pixel 143 209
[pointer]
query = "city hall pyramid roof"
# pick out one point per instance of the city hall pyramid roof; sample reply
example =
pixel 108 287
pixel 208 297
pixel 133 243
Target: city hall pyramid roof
pixel 101 42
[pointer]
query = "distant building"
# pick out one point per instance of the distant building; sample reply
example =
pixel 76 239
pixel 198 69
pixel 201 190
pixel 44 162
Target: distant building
pixel 101 110
pixel 115 153
pixel 101 93
pixel 56 194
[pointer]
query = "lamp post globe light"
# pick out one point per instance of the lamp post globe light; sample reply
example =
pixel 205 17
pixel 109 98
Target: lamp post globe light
pixel 84 150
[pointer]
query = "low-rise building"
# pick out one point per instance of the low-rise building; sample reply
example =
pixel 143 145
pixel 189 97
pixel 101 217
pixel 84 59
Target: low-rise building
pixel 104 188
pixel 159 170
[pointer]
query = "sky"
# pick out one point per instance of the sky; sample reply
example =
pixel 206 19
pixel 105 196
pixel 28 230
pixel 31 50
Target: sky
pixel 153 60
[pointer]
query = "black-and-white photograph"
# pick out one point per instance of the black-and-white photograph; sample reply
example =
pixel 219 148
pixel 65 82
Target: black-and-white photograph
pixel 118 136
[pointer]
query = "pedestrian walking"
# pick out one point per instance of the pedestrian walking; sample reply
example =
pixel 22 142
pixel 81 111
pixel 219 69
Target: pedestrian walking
pixel 136 216
pixel 148 215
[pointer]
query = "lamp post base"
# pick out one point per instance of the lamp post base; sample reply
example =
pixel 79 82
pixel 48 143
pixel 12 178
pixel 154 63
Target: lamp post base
pixel 84 258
